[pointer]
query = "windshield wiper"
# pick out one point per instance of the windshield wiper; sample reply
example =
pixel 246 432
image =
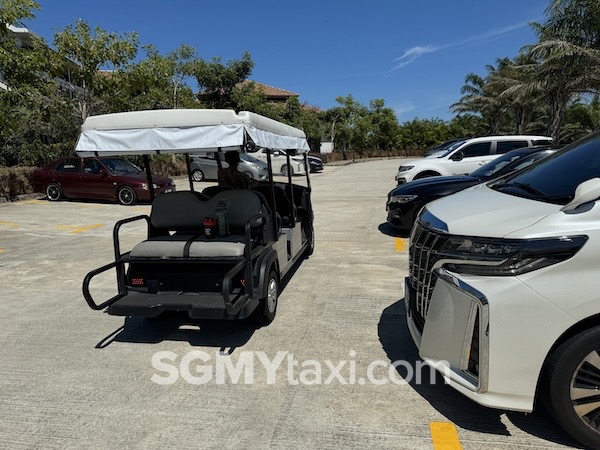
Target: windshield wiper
pixel 525 187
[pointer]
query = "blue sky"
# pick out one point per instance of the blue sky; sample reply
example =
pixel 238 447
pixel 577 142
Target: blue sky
pixel 413 55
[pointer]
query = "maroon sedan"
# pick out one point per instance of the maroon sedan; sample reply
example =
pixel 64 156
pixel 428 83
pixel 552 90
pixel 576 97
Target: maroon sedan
pixel 107 178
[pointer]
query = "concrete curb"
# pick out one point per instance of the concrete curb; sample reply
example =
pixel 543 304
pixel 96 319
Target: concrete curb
pixel 17 198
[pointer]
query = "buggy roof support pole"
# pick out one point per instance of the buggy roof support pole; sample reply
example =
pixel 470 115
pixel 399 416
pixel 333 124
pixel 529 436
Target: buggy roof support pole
pixel 219 164
pixel 289 174
pixel 149 176
pixel 189 171
pixel 306 166
pixel 272 190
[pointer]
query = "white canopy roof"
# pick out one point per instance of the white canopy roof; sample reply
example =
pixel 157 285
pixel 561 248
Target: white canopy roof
pixel 183 131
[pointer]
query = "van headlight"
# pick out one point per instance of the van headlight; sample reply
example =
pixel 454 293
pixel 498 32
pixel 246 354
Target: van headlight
pixel 507 257
pixel 404 168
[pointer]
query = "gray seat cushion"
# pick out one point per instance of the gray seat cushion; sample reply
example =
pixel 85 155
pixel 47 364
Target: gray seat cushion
pixel 187 245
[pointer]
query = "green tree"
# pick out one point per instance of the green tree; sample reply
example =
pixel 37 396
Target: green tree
pixel 12 12
pixel 156 82
pixel 567 55
pixel 481 97
pixel 93 52
pixel 217 81
pixel 384 126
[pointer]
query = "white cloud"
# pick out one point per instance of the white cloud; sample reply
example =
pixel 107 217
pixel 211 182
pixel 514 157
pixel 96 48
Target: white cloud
pixel 416 52
pixel 403 108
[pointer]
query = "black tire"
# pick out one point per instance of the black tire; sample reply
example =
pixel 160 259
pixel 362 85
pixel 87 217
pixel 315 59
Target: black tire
pixel 126 195
pixel 284 170
pixel 197 175
pixel 54 192
pixel 267 306
pixel 572 386
pixel 428 174
pixel 310 234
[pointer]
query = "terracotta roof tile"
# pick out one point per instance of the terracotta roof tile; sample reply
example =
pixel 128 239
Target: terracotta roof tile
pixel 271 91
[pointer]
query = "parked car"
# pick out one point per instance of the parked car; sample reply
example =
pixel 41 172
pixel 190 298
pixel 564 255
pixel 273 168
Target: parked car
pixel 107 178
pixel 503 290
pixel 315 164
pixel 279 161
pixel 205 167
pixel 462 157
pixel 405 201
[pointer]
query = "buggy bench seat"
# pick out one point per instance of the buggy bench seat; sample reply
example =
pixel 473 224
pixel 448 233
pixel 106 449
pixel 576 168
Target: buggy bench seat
pixel 176 229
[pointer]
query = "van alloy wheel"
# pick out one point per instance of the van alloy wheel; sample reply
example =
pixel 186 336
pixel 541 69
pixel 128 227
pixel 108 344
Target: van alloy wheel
pixel 572 386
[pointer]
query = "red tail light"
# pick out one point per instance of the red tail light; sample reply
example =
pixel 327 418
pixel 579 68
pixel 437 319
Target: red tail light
pixel 138 281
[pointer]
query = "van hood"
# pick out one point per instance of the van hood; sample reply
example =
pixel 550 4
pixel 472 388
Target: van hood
pixel 481 211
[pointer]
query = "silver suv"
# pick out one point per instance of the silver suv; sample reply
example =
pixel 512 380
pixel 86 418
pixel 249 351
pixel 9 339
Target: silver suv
pixel 204 166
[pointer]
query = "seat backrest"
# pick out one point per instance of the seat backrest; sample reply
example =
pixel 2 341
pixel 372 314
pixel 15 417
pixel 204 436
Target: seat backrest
pixel 242 205
pixel 211 191
pixel 179 211
pixel 283 206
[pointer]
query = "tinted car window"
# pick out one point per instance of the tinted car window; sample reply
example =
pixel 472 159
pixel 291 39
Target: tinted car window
pixel 91 166
pixel 542 142
pixel 479 149
pixel 506 146
pixel 446 150
pixel 494 166
pixel 555 179
pixel 68 165
pixel 120 166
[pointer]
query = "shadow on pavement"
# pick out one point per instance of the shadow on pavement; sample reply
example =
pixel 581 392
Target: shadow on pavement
pixel 387 229
pixel 398 345
pixel 226 335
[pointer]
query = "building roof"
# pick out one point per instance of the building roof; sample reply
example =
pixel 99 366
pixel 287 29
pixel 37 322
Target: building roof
pixel 270 91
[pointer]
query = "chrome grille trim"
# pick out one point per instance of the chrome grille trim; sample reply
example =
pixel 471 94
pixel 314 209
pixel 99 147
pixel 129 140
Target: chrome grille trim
pixel 424 253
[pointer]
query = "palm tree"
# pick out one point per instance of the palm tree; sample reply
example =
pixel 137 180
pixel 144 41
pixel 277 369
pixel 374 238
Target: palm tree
pixel 478 96
pixel 567 56
pixel 512 80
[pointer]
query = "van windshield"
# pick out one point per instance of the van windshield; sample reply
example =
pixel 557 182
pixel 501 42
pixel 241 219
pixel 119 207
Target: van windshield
pixel 555 179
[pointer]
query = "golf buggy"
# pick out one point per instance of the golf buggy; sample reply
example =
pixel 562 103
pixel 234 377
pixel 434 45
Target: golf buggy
pixel 220 253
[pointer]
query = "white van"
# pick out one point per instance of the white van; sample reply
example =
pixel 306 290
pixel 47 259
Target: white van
pixel 503 292
pixel 464 156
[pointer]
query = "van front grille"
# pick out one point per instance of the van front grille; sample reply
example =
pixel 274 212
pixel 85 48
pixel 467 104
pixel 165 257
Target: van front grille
pixel 424 252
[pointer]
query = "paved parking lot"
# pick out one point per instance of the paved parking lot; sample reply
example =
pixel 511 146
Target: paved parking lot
pixel 320 375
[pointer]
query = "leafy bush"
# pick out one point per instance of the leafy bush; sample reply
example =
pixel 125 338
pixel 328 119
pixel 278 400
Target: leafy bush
pixel 15 181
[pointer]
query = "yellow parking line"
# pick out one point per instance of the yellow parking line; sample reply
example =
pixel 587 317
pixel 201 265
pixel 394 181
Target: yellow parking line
pixel 32 202
pixel 76 230
pixel 444 436
pixel 400 244
pixel 9 224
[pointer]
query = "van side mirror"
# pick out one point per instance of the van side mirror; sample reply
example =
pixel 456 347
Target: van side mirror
pixel 458 156
pixel 588 191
